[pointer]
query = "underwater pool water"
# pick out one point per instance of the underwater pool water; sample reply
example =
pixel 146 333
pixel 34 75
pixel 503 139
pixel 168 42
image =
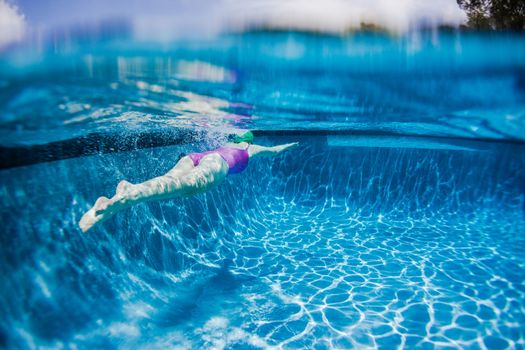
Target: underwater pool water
pixel 398 222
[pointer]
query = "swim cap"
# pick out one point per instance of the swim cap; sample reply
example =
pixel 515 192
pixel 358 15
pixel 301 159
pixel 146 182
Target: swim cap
pixel 246 137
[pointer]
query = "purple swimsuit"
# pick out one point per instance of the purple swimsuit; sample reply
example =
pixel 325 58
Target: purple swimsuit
pixel 237 159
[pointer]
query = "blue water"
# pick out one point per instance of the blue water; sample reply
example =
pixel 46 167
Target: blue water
pixel 398 222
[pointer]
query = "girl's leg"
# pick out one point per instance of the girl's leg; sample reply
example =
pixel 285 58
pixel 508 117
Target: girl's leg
pixel 184 165
pixel 177 182
pixel 180 181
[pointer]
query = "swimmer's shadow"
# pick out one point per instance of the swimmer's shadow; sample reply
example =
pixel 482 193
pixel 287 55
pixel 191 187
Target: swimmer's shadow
pixel 203 298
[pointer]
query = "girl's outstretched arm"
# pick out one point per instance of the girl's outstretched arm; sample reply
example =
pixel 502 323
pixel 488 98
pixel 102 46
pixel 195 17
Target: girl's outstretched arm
pixel 256 150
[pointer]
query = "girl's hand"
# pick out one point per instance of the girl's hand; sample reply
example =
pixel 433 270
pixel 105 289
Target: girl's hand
pixel 291 145
pixel 286 146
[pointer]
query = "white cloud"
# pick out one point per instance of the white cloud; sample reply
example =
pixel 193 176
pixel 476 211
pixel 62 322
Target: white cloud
pixel 326 16
pixel 343 15
pixel 12 24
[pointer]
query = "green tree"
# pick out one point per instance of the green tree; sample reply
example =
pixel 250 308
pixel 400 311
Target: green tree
pixel 495 14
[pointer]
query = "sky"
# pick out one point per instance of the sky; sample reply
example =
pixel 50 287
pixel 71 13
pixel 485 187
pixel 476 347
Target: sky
pixel 165 19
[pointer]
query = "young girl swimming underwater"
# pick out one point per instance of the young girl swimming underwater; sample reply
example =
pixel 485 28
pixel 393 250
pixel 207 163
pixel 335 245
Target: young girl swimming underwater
pixel 193 174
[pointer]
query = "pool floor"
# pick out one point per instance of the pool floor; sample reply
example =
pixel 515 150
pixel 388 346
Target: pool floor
pixel 355 248
pixel 342 282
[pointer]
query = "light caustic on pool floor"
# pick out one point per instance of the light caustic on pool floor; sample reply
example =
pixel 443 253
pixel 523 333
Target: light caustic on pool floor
pixel 339 281
pixel 448 273
pixel 320 277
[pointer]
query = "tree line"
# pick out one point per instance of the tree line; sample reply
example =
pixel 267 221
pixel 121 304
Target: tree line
pixel 495 14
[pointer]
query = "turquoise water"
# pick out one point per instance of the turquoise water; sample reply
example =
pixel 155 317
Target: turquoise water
pixel 398 222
